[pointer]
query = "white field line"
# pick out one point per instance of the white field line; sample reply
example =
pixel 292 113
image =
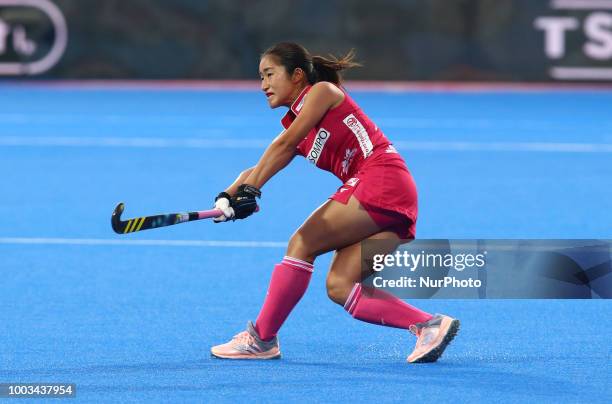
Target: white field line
pixel 117 118
pixel 440 146
pixel 248 121
pixel 509 246
pixel 253 86
pixel 138 142
pixel 543 147
pixel 157 243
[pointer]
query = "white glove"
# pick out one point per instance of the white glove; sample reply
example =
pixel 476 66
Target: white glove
pixel 222 203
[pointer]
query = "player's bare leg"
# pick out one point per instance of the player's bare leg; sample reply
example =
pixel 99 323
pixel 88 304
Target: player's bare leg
pixel 333 226
pixel 344 287
pixel 346 267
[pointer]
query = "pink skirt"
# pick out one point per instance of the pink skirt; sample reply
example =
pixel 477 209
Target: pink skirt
pixel 386 190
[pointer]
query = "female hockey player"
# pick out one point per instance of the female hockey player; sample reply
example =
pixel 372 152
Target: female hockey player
pixel 378 200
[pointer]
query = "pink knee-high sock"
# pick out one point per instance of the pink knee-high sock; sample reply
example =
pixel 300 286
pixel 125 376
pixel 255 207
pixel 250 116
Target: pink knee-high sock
pixel 289 281
pixel 379 307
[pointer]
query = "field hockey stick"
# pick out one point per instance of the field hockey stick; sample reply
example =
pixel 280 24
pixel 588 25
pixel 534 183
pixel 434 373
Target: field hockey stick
pixel 152 222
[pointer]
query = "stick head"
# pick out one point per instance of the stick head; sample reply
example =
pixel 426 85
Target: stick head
pixel 118 227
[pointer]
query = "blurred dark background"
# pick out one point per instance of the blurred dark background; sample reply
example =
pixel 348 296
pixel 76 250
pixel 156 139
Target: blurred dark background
pixel 427 40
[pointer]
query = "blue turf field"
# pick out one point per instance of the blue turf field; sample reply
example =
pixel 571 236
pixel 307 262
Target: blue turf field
pixel 134 322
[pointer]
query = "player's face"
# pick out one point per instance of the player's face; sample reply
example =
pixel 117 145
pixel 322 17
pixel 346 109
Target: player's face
pixel 276 83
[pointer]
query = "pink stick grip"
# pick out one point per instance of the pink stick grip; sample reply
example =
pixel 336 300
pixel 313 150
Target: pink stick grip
pixel 207 214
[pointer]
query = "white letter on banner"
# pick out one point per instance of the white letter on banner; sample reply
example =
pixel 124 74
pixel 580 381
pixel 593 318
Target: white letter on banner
pixel 554 34
pixel 595 26
pixel 4 31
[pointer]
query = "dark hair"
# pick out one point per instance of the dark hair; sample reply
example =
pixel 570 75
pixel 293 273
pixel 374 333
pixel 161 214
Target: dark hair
pixel 317 68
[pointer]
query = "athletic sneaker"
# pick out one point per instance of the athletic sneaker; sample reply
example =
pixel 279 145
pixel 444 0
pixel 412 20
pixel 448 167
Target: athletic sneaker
pixel 248 345
pixel 432 338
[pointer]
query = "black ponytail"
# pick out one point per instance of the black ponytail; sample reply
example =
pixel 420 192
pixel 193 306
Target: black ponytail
pixel 317 68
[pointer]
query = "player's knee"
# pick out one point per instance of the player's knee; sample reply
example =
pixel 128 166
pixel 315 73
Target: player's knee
pixel 300 248
pixel 338 289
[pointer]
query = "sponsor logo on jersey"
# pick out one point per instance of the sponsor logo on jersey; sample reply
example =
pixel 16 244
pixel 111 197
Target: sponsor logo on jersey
pixel 390 149
pixel 318 145
pixel 360 133
pixel 300 104
pixel 351 182
pixel 348 159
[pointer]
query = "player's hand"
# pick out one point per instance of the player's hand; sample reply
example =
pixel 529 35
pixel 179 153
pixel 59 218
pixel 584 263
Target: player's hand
pixel 243 202
pixel 222 202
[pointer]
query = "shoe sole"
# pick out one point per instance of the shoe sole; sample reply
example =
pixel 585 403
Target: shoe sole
pixel 435 353
pixel 247 357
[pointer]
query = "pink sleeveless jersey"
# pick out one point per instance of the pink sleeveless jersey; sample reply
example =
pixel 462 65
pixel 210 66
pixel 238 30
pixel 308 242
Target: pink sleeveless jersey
pixel 349 145
pixel 342 140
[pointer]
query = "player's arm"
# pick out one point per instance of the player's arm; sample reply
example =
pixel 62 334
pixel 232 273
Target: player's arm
pixel 281 151
pixel 231 190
